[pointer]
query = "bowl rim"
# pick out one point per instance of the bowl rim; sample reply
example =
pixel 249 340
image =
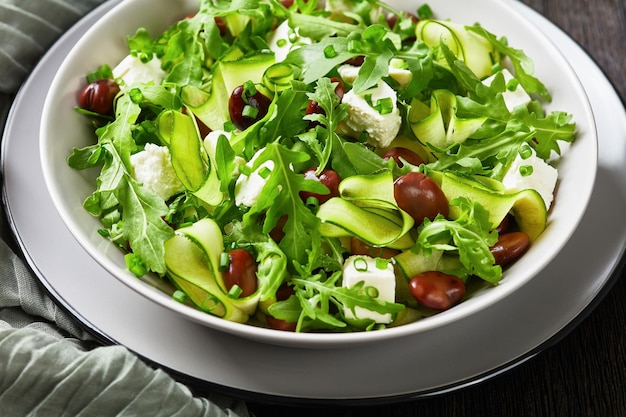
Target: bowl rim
pixel 310 340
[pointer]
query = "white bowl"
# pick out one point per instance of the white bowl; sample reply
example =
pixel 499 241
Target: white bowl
pixel 62 129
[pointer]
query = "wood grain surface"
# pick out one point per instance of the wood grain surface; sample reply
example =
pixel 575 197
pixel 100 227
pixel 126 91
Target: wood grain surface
pixel 584 372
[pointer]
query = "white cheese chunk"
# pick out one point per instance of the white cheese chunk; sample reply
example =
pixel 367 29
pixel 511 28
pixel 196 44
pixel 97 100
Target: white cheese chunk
pixel 248 187
pixel 284 39
pixel 533 173
pixel 381 129
pixel 348 73
pixel 359 268
pixel 512 99
pixel 131 70
pixel 397 71
pixel 153 168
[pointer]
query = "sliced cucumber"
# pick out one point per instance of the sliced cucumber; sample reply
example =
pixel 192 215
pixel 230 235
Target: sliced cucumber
pixel 476 51
pixel 526 206
pixel 230 72
pixel 192 261
pixel 192 166
pixel 438 125
pixel 367 209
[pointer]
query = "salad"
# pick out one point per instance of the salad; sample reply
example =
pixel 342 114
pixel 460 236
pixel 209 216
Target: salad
pixel 305 166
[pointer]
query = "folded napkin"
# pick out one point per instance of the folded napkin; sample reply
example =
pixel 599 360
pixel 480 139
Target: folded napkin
pixel 49 365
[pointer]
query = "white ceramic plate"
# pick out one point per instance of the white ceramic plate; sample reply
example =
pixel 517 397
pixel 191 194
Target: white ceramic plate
pixel 466 352
pixel 62 129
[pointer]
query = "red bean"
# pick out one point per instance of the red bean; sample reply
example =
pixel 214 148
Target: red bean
pixel 277 233
pixel 283 293
pixel 239 100
pixel 329 178
pixel 437 290
pixel 357 61
pixel 278 324
pixel 504 225
pixel 509 247
pixel 221 25
pixel 241 272
pixel 203 129
pixel 404 153
pixel 420 196
pixel 98 96
pixel 358 247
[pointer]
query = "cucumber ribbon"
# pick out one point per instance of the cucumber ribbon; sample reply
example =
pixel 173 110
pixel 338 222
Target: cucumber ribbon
pixel 367 209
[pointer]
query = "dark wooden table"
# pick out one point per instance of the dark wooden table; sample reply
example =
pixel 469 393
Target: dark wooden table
pixel 582 373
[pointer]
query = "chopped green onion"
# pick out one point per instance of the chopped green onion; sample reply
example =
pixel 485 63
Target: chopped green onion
pixel 179 296
pixel 512 84
pixel 292 36
pixel 312 202
pixel 136 96
pixel 329 52
pixel 224 261
pixel 382 263
pixel 211 303
pixel 360 264
pixel 229 126
pixel 249 111
pixel 525 151
pixel 384 105
pixel 496 68
pixel 526 170
pixel 135 264
pixel 235 291
pixel 371 291
pixel 249 88
pixel 264 172
pixel 281 42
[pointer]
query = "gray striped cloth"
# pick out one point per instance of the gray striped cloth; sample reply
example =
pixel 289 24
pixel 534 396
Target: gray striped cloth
pixel 50 366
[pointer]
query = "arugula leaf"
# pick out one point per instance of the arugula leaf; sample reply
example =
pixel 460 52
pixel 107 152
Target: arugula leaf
pixel 319 27
pixel 272 261
pixel 281 197
pixel 141 210
pixel 469 235
pixel 522 63
pixel 557 126
pixel 283 120
pixel 144 227
pixel 489 156
pixel 333 112
pixel 318 59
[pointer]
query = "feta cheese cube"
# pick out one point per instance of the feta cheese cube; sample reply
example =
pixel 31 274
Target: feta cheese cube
pixel 153 168
pixel 248 187
pixel 132 70
pixel 402 75
pixel 359 268
pixel 514 98
pixel 284 39
pixel 381 129
pixel 531 172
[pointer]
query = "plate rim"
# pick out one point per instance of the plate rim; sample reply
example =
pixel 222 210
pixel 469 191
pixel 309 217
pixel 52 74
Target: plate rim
pixel 605 288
